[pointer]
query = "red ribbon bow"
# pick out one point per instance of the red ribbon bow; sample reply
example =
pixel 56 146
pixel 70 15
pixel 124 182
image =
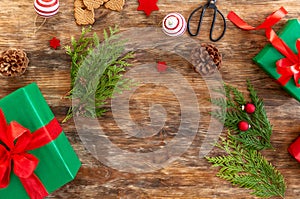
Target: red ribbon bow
pixel 287 67
pixel 294 149
pixel 15 142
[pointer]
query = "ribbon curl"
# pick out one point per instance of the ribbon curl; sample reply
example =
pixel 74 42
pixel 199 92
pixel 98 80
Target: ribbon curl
pixel 15 143
pixel 287 67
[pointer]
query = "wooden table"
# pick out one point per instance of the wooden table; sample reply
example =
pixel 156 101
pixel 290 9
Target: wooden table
pixel 188 176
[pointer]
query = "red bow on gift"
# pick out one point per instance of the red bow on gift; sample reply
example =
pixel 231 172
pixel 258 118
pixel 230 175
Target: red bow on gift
pixel 15 143
pixel 287 67
pixel 294 149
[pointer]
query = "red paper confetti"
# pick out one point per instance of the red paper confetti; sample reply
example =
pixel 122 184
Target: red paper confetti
pixel 54 43
pixel 161 66
pixel 147 6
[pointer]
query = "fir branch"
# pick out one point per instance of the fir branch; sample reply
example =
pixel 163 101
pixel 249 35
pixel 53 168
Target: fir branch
pixel 247 168
pixel 96 71
pixel 258 136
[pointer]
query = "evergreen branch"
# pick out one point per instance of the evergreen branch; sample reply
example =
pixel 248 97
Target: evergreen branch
pixel 259 135
pixel 244 165
pixel 96 71
pixel 247 168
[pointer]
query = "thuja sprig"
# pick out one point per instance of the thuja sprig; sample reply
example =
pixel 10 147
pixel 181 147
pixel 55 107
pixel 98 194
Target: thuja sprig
pixel 96 71
pixel 243 164
pixel 258 136
pixel 247 168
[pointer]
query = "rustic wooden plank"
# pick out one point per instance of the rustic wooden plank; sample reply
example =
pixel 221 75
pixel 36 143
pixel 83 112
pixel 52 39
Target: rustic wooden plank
pixel 189 176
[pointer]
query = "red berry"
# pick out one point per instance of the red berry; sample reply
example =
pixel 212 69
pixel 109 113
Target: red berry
pixel 243 126
pixel 249 108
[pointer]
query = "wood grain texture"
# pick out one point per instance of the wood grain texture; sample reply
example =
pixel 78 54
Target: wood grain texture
pixel 188 176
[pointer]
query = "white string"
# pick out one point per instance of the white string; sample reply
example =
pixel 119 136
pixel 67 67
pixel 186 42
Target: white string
pixel 40 26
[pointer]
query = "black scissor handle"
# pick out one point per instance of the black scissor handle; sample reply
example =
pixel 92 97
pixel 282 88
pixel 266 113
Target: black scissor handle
pixel 199 23
pixel 212 6
pixel 213 24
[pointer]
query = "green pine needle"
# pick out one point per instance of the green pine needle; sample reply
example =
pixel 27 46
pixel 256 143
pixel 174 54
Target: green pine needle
pixel 247 168
pixel 258 136
pixel 96 71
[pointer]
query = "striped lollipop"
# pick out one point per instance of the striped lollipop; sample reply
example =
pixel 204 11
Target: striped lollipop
pixel 46 8
pixel 174 24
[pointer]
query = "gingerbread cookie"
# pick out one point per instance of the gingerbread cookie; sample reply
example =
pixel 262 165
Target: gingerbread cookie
pixel 116 5
pixel 79 4
pixel 93 4
pixel 84 16
pixel 84 9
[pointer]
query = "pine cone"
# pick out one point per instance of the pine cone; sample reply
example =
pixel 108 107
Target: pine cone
pixel 206 59
pixel 13 62
pixel 213 51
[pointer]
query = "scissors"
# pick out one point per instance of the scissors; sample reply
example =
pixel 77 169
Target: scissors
pixel 210 4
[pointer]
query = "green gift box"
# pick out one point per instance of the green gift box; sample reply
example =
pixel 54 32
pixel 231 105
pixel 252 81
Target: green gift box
pixel 58 163
pixel 268 56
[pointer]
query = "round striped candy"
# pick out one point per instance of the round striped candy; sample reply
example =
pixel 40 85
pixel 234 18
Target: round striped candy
pixel 46 8
pixel 174 24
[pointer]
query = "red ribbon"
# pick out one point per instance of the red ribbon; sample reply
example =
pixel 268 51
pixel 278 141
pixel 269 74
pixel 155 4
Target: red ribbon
pixel 15 142
pixel 294 149
pixel 287 67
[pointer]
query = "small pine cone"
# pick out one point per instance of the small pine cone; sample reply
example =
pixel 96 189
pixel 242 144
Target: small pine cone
pixel 215 54
pixel 206 59
pixel 13 62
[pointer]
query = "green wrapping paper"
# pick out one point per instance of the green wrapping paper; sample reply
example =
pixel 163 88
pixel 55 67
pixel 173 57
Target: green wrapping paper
pixel 58 163
pixel 268 56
